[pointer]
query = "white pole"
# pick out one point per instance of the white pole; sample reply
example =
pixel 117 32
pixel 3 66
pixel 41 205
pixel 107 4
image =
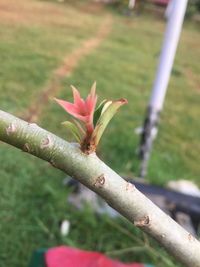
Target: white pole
pixel 170 43
pixel 169 9
pixel 131 4
pixel 171 38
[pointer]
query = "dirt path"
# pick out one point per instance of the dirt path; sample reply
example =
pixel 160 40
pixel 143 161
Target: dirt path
pixel 66 69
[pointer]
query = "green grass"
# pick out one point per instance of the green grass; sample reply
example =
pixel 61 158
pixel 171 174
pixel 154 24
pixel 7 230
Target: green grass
pixel 32 195
pixel 30 51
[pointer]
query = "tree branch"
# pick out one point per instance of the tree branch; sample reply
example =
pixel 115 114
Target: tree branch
pixel 94 174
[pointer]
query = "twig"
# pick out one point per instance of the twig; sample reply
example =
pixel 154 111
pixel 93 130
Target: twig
pixel 93 173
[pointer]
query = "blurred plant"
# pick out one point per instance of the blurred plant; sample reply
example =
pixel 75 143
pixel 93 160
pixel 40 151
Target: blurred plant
pixel 192 8
pixel 92 122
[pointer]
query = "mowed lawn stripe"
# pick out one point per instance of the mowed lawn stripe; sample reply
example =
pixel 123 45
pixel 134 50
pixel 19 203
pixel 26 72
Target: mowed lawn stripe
pixel 65 70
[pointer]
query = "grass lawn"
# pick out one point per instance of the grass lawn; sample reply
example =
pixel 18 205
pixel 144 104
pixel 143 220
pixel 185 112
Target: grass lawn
pixel 35 37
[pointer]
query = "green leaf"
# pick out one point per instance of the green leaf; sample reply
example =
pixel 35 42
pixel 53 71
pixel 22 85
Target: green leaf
pixel 107 104
pixel 80 127
pixel 98 111
pixel 74 130
pixel 104 119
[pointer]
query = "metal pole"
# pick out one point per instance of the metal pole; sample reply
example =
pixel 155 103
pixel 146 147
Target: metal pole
pixel 155 106
pixel 131 4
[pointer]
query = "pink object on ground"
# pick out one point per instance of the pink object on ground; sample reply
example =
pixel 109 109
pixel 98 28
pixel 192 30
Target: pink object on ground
pixel 71 257
pixel 161 2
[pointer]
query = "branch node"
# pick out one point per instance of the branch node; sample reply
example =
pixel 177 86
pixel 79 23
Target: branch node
pixel 191 237
pixel 26 148
pixel 145 221
pixel 46 142
pixel 129 186
pixel 11 129
pixel 100 181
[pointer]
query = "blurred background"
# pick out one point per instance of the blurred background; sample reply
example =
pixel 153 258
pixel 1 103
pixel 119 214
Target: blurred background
pixel 45 46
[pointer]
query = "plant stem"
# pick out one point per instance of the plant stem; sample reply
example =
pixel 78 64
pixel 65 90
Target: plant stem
pixel 96 175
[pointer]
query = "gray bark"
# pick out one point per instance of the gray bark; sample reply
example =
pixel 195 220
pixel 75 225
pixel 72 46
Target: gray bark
pixel 92 172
